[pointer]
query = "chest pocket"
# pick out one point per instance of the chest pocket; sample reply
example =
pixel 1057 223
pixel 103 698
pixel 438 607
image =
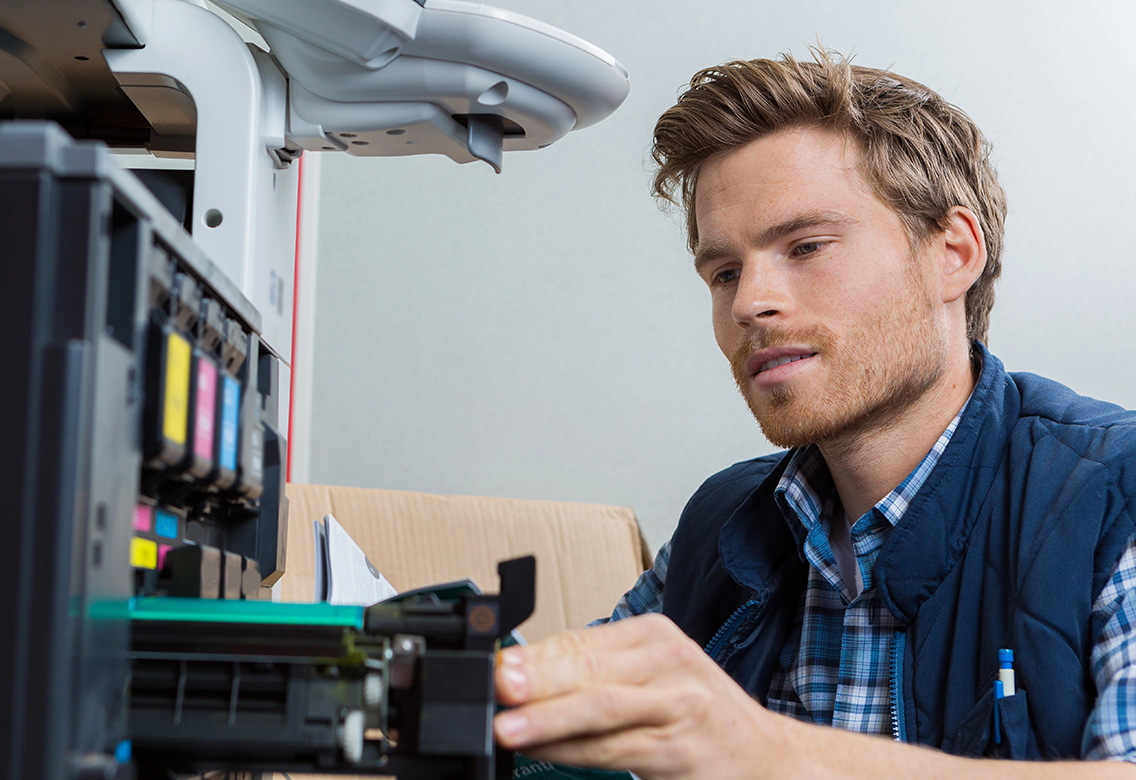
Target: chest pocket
pixel 976 738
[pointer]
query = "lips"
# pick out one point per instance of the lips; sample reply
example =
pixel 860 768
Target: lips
pixel 773 357
pixel 779 362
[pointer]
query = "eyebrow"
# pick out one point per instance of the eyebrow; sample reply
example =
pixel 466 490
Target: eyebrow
pixel 709 252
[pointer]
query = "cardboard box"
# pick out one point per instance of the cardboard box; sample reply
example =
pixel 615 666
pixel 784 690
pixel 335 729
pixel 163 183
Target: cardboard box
pixel 587 555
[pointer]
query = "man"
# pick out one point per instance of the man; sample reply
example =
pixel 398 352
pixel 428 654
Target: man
pixel 932 510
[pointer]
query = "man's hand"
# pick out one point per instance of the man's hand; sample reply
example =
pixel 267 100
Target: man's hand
pixel 638 695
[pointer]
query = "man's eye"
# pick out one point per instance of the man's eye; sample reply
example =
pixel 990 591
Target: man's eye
pixel 725 277
pixel 807 248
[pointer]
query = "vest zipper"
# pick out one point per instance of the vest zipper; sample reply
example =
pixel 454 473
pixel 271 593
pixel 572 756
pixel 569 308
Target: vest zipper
pixel 895 683
pixel 720 636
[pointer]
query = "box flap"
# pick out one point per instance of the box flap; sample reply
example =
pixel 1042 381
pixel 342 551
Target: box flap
pixel 588 555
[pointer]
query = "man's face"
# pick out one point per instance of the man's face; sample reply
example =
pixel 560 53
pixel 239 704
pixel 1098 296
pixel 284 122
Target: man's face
pixel 829 318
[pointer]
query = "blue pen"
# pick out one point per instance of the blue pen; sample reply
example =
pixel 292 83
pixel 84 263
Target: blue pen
pixel 999 694
pixel 1006 671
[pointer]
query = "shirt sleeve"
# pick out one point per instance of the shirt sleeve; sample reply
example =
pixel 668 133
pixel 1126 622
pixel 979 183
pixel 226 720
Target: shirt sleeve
pixel 1111 729
pixel 646 595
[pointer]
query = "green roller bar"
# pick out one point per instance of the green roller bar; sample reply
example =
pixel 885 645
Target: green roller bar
pixel 222 611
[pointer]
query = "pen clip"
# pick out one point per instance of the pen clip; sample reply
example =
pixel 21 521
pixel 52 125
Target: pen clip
pixel 998 696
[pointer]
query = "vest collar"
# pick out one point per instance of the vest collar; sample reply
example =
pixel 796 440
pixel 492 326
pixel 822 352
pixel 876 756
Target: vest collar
pixel 933 533
pixel 757 543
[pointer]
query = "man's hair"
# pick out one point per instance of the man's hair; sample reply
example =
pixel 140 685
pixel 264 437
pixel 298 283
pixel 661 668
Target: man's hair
pixel 921 155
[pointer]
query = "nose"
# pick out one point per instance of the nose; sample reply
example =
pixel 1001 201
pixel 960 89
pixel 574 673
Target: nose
pixel 761 294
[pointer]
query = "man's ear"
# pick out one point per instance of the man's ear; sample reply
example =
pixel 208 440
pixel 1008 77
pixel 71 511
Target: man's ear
pixel 963 248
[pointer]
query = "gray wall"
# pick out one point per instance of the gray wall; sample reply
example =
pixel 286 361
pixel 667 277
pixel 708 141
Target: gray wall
pixel 541 333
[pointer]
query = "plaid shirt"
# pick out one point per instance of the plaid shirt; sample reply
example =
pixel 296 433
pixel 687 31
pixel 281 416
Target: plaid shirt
pixel 834 666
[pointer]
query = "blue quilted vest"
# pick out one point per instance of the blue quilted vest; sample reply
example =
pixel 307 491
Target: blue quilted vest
pixel 1007 545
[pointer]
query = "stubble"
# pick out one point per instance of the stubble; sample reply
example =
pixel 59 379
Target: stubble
pixel 877 371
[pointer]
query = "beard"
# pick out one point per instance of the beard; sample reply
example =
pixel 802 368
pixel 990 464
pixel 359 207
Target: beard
pixel 877 370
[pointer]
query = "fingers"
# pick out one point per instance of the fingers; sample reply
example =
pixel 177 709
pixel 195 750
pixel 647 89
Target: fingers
pixel 587 712
pixel 633 655
pixel 729 749
pixel 632 632
pixel 637 694
pixel 645 750
pixel 519 680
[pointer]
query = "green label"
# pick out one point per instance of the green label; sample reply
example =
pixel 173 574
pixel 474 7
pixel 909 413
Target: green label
pixel 525 768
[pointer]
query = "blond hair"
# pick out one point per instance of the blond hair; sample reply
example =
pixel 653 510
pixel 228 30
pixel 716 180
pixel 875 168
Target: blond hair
pixel 921 155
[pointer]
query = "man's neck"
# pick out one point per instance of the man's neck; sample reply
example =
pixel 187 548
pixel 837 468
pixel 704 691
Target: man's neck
pixel 868 464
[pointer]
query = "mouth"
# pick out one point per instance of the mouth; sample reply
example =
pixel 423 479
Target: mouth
pixel 769 360
pixel 775 362
pixel 775 366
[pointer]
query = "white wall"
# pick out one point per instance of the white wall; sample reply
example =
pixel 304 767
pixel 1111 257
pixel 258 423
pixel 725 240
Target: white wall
pixel 541 333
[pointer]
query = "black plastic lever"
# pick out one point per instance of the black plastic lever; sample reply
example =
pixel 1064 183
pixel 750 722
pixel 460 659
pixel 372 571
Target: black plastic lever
pixel 518 592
